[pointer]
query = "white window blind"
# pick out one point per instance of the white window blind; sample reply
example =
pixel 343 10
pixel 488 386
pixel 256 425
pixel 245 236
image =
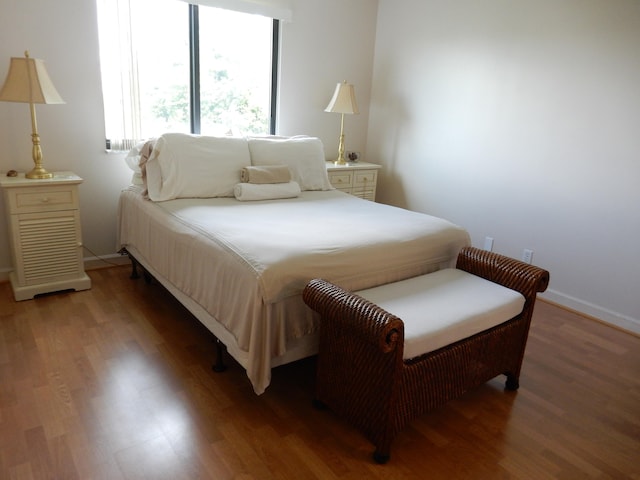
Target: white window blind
pixel 119 69
pixel 278 9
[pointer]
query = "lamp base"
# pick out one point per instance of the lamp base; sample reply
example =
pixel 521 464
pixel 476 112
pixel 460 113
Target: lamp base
pixel 38 173
pixel 341 160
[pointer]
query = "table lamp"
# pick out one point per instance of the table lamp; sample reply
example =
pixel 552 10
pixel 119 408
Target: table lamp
pixel 29 82
pixel 343 101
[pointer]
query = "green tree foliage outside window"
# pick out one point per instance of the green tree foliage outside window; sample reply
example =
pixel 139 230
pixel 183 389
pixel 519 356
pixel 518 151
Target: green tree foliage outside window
pixel 227 106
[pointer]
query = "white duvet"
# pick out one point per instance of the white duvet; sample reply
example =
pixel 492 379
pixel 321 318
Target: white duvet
pixel 246 263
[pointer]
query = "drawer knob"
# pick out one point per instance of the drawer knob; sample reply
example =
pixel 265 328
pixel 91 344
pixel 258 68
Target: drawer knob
pixel 44 199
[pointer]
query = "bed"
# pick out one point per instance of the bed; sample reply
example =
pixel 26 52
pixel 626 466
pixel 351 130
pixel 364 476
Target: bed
pixel 240 266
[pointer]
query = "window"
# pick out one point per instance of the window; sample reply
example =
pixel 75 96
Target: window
pixel 170 66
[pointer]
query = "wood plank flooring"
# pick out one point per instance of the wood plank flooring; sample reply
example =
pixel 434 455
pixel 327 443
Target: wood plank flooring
pixel 116 383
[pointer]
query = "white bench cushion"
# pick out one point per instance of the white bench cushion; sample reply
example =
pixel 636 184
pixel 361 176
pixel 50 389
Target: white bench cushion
pixel 443 307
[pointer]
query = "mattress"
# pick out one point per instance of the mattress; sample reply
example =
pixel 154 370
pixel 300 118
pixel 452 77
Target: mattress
pixel 240 267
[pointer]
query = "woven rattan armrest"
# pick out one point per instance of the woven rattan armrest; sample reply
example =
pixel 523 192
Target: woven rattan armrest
pixel 355 317
pixel 508 272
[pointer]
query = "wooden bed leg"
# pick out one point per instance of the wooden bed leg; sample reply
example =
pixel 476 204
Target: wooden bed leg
pixel 219 366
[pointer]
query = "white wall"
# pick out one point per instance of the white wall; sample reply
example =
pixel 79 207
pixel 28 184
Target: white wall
pixel 520 120
pixel 328 41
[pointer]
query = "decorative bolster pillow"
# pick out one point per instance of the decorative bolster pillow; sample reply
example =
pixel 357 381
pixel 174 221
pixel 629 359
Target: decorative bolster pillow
pixel 265 174
pixel 266 191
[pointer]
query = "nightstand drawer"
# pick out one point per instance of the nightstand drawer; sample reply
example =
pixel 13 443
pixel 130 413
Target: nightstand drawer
pixel 357 179
pixel 341 180
pixel 364 192
pixel 365 177
pixel 39 199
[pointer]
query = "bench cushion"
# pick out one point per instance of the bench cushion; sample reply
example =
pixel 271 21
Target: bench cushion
pixel 443 307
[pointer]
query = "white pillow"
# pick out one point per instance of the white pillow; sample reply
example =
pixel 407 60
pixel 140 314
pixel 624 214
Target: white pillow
pixel 133 162
pixel 193 166
pixel 266 191
pixel 303 155
pixel 133 157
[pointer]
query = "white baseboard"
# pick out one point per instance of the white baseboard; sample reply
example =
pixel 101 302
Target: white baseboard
pixel 621 321
pixel 114 259
pixel 4 274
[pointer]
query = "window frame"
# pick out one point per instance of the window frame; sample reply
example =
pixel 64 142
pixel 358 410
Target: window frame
pixel 194 81
pixel 194 70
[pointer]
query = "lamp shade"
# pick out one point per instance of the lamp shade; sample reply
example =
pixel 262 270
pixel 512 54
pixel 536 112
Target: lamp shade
pixel 343 100
pixel 28 82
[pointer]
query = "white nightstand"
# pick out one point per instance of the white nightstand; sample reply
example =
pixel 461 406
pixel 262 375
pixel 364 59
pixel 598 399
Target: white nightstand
pixel 44 234
pixel 358 178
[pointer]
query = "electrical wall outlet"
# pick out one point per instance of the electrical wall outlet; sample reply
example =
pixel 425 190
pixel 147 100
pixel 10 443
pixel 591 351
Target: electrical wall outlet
pixel 488 243
pixel 352 156
pixel 527 255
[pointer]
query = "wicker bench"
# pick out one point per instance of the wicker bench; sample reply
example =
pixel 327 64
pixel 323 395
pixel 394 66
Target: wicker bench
pixel 362 374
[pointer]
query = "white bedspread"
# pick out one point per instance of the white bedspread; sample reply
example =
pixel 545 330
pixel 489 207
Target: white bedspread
pixel 246 263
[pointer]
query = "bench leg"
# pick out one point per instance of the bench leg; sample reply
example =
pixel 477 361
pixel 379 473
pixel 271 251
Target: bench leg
pixel 381 458
pixel 319 404
pixel 512 384
pixel 382 452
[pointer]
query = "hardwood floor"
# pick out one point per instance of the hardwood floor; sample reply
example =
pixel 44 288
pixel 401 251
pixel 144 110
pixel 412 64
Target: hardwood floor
pixel 115 383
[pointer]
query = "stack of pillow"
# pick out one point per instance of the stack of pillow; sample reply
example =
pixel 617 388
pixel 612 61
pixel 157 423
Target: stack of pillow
pixel 266 182
pixel 177 165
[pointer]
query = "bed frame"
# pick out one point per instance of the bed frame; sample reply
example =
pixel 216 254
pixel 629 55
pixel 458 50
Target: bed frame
pixel 219 364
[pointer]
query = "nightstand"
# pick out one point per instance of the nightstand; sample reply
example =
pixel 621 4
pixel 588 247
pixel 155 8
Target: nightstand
pixel 358 178
pixel 44 234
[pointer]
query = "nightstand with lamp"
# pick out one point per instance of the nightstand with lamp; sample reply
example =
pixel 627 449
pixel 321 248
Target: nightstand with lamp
pixel 356 178
pixel 42 207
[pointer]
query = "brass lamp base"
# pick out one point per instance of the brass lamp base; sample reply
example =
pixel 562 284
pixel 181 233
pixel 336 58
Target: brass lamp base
pixel 341 160
pixel 38 173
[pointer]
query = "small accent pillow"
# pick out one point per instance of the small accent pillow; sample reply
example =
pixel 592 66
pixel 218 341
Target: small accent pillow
pixel 194 166
pixel 303 155
pixel 266 191
pixel 265 174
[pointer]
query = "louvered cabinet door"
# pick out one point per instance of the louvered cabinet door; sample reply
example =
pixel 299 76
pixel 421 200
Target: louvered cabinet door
pixel 45 235
pixel 48 247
